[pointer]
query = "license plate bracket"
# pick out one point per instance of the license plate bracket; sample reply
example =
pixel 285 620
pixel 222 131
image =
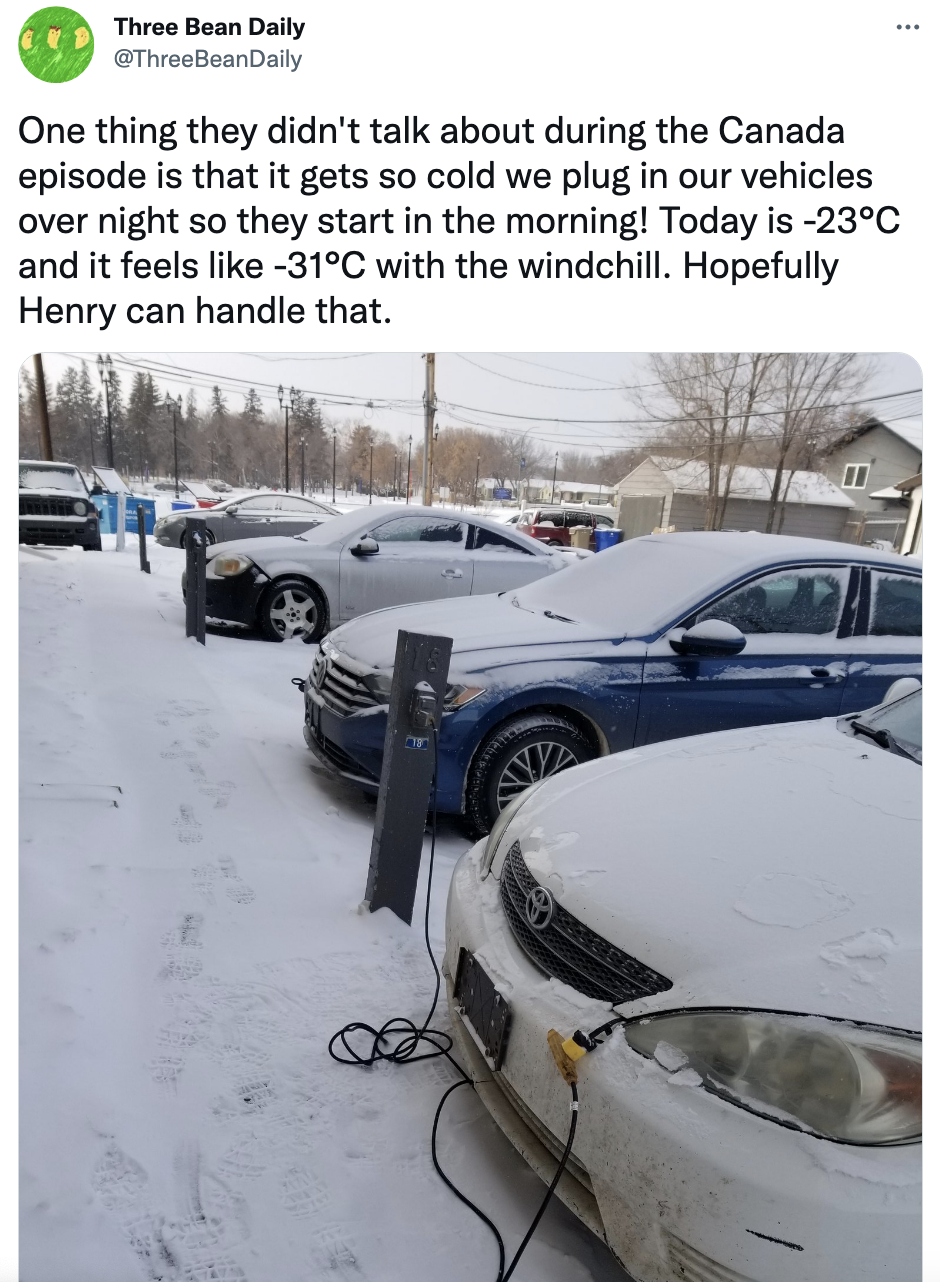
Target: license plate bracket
pixel 484 1008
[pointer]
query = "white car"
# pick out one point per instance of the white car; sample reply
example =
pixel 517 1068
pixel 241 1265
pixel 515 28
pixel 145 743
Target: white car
pixel 741 911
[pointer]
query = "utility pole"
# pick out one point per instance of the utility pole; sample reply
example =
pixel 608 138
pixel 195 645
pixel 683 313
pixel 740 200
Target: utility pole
pixel 408 482
pixel 105 373
pixel 175 407
pixel 430 405
pixel 476 483
pixel 521 495
pixel 371 448
pixel 554 474
pixel 45 436
pixel 303 479
pixel 334 464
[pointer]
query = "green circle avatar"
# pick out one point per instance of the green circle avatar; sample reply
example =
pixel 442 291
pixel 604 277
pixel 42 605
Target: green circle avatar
pixel 56 44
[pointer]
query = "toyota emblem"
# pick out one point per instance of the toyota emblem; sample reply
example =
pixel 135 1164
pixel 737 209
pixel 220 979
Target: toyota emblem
pixel 539 907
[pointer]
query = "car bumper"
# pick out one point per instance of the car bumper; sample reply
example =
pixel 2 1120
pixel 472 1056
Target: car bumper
pixel 61 532
pixel 679 1183
pixel 235 599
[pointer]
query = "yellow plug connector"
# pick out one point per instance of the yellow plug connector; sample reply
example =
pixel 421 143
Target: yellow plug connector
pixel 563 1060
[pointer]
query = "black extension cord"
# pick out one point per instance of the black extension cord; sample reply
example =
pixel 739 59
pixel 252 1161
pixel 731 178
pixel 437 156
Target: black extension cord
pixel 404 1051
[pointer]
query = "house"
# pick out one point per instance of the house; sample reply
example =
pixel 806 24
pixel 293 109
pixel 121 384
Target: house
pixel 663 493
pixel 539 489
pixel 867 463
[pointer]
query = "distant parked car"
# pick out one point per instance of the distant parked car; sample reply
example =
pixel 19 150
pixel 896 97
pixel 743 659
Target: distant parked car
pixel 667 635
pixel 258 516
pixel 56 507
pixel 553 525
pixel 196 492
pixel 737 919
pixel 370 558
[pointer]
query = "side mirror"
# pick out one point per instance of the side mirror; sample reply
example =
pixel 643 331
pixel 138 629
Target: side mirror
pixel 96 491
pixel 232 510
pixel 712 638
pixel 365 547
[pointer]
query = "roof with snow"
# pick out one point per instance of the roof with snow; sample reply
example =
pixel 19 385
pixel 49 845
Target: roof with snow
pixel 752 482
pixel 910 430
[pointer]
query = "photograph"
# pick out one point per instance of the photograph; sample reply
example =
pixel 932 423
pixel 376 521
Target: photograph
pixel 471 772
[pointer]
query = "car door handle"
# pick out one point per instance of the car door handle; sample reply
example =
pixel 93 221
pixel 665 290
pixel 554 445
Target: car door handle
pixel 823 674
pixel 451 574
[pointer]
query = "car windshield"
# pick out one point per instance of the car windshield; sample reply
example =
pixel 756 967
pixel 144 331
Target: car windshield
pixel 896 727
pixel 39 476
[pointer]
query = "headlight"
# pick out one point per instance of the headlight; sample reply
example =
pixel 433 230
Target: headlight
pixel 456 696
pixel 379 684
pixel 856 1084
pixel 226 567
pixel 78 507
pixel 504 819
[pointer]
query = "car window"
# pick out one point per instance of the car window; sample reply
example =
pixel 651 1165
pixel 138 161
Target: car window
pixel 264 502
pixel 527 518
pixel 902 720
pixel 605 522
pixel 556 519
pixel 802 601
pixel 288 503
pixel 34 477
pixel 573 519
pixel 895 605
pixel 490 541
pixel 419 529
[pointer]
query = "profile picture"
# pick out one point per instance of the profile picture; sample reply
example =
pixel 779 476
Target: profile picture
pixel 56 44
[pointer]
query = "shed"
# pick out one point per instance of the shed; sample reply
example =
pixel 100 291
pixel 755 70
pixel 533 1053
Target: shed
pixel 662 493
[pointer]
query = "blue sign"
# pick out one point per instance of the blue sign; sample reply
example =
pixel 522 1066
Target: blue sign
pixel 522 462
pixel 414 742
pixel 502 494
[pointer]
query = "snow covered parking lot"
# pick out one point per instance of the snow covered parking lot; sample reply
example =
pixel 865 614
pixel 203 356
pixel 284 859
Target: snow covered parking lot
pixel 189 942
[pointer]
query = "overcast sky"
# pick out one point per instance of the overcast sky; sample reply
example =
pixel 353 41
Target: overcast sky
pixel 485 389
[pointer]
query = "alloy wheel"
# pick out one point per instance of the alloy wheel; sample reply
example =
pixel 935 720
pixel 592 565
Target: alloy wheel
pixel 534 762
pixel 293 613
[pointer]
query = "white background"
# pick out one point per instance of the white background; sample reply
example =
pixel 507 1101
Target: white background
pixel 494 62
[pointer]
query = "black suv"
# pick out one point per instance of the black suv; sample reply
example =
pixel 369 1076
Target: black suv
pixel 56 507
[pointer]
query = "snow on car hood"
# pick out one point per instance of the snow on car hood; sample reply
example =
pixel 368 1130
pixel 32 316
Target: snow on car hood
pixel 774 867
pixel 486 623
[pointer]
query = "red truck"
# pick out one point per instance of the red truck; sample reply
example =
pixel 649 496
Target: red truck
pixel 553 525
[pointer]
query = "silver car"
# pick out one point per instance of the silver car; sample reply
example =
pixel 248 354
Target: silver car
pixel 367 560
pixel 258 516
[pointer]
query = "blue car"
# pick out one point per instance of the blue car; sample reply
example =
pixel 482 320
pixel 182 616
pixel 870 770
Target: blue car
pixel 664 636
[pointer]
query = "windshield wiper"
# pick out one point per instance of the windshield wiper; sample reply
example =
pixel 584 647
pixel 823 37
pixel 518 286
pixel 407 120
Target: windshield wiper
pixel 550 614
pixel 884 739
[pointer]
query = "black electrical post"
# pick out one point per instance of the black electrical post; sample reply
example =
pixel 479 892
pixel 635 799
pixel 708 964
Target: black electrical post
pixel 554 474
pixel 142 538
pixel 371 448
pixel 303 479
pixel 173 408
pixel 408 482
pixel 334 464
pixel 196 578
pixel 105 373
pixel 476 483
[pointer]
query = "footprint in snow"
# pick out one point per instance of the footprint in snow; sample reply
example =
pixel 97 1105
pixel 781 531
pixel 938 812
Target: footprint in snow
pixel 117 1179
pixel 187 825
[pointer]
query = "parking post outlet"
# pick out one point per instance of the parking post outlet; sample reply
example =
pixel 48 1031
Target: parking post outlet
pixel 196 578
pixel 408 765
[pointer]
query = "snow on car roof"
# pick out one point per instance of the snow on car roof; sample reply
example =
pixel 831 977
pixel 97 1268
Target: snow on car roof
pixel 366 518
pixel 645 583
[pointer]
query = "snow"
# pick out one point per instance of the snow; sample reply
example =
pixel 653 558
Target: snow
pixel 187 952
pixel 754 483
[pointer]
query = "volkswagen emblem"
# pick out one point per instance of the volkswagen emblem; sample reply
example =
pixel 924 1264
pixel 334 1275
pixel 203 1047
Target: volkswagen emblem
pixel 539 907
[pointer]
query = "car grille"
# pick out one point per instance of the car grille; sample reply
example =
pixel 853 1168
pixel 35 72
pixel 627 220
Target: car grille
pixel 47 507
pixel 568 950
pixel 341 760
pixel 340 689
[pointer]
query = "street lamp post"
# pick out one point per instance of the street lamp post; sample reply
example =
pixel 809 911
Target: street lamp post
pixel 291 403
pixel 371 448
pixel 476 483
pixel 303 479
pixel 334 464
pixel 174 408
pixel 106 373
pixel 408 481
pixel 554 474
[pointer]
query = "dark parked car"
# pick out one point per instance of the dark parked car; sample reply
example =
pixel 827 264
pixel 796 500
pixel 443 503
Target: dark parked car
pixel 56 507
pixel 664 636
pixel 553 525
pixel 254 517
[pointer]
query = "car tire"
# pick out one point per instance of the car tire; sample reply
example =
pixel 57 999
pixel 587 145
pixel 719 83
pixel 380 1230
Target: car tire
pixel 555 543
pixel 516 755
pixel 210 539
pixel 291 608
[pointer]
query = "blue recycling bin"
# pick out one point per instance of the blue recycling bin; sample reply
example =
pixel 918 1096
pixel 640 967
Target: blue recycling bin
pixel 606 538
pixel 107 513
